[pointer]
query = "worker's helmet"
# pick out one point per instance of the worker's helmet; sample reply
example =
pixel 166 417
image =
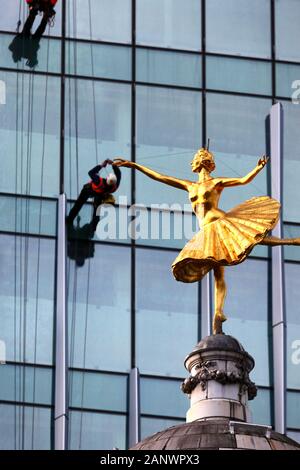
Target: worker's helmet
pixel 111 179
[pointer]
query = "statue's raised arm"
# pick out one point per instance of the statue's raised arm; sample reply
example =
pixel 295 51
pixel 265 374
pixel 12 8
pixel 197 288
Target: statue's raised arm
pixel 170 180
pixel 227 182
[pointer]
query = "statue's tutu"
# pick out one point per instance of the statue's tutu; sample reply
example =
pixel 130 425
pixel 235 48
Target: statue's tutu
pixel 228 240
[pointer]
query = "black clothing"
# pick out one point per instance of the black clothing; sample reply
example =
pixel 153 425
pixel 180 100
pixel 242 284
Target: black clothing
pixel 88 192
pixel 93 174
pixel 48 11
pixel 83 197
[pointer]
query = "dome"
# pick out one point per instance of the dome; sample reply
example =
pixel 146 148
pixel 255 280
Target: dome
pixel 215 434
pixel 220 344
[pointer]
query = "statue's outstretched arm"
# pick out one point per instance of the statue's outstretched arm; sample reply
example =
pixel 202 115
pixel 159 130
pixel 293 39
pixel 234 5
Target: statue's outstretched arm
pixel 227 182
pixel 170 180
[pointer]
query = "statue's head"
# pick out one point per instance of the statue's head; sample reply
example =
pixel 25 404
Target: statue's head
pixel 203 159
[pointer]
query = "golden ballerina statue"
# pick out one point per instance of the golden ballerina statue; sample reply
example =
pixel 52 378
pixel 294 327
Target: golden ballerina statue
pixel 225 238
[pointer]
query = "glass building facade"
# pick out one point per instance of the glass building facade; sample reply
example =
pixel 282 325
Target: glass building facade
pixel 148 80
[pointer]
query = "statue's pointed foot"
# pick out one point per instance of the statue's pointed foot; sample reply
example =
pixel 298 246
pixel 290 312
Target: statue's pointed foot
pixel 219 318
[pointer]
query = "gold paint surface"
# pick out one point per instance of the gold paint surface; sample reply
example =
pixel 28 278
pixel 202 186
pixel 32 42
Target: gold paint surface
pixel 225 238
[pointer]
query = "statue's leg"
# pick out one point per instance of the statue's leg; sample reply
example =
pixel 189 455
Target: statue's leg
pixel 220 294
pixel 275 241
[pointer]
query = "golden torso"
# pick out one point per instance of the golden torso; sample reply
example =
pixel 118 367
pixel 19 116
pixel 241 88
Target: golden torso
pixel 204 197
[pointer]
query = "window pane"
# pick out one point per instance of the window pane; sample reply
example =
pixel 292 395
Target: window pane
pixel 171 68
pixel 261 407
pixel 27 298
pixel 236 127
pixel 248 319
pixel 98 391
pixel 45 58
pixel 101 20
pixel 26 384
pixel 30 216
pixel 291 162
pixel 25 428
pixel 239 27
pixel 287 16
pixel 168 133
pixel 167 309
pixel 114 226
pixel 292 273
pixel 293 409
pixel 96 431
pixel 288 81
pixel 164 228
pixel 99 310
pixel 163 397
pixel 98 126
pixel 98 60
pixel 169 23
pixel 29 134
pixel 291 252
pixel 244 76
pixel 150 426
pixel 16 10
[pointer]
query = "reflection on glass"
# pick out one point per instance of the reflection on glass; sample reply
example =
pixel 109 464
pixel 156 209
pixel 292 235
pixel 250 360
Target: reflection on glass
pixel 291 162
pixel 99 310
pixel 114 224
pixel 26 215
pixel 150 426
pixel 98 60
pixel 168 133
pixel 292 273
pixel 25 428
pixel 101 20
pixel 239 27
pixel 169 23
pixel 261 407
pixel 167 309
pixel 163 397
pixel 26 384
pixel 287 16
pixel 29 134
pixel 248 318
pixel 17 10
pixel 48 53
pixel 236 127
pixel 239 75
pixel 27 298
pixel 98 391
pixel 171 68
pixel 98 126
pixel 96 431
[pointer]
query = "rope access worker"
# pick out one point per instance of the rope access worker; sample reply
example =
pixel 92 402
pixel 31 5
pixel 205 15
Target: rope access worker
pixel 35 6
pixel 99 188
